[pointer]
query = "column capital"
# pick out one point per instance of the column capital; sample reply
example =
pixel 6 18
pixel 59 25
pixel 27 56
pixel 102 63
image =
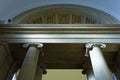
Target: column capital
pixel 89 46
pixel 38 45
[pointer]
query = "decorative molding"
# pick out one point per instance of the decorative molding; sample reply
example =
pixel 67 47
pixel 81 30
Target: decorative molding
pixel 60 33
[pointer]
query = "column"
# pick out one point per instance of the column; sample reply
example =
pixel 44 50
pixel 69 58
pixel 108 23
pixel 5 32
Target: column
pixel 116 66
pixel 29 65
pixel 87 69
pixel 5 61
pixel 11 72
pixel 39 73
pixel 90 74
pixel 99 65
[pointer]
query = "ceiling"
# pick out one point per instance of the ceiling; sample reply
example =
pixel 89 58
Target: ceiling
pixel 14 7
pixel 63 56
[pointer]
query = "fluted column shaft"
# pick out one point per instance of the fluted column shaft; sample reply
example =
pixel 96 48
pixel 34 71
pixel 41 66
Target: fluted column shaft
pixel 28 69
pixel 90 74
pixel 39 73
pixel 100 68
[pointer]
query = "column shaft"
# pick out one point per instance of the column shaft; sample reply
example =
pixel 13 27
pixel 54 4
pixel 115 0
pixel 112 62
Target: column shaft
pixel 90 74
pixel 99 65
pixel 5 61
pixel 39 72
pixel 29 65
pixel 116 66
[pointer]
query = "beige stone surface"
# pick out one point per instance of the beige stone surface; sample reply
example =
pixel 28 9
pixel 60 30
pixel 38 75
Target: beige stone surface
pixel 63 74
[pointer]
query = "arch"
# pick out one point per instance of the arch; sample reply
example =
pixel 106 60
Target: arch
pixel 91 14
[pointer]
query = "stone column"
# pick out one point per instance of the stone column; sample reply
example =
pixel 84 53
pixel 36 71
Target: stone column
pixel 90 74
pixel 29 65
pixel 100 68
pixel 116 66
pixel 11 72
pixel 39 73
pixel 5 61
pixel 87 69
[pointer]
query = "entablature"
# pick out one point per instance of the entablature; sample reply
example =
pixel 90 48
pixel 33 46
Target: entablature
pixel 60 33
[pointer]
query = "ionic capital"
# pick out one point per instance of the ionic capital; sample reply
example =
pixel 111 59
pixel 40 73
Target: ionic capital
pixel 89 46
pixel 38 45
